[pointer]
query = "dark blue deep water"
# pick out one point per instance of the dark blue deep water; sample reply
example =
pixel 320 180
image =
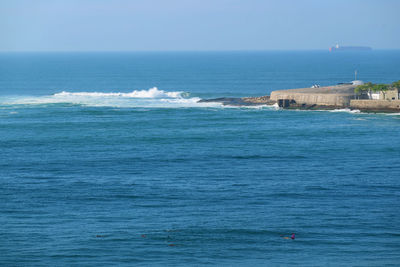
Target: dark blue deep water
pixel 97 167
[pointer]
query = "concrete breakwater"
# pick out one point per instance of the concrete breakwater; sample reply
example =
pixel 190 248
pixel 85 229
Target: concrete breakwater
pixel 331 97
pixel 338 96
pixel 376 105
pixel 328 97
pixel 324 97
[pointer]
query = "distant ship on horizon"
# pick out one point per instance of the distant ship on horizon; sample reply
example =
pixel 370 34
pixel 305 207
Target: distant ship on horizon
pixel 349 48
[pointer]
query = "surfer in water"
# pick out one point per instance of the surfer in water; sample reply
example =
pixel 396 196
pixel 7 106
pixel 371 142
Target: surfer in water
pixel 292 237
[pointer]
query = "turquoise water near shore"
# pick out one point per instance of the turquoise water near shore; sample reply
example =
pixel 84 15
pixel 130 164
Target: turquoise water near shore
pixel 98 167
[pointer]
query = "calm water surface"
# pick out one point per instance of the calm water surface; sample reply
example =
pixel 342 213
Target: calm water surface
pixel 97 167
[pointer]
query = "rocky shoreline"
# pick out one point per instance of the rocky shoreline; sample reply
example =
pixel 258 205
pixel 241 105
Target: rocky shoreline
pixel 240 101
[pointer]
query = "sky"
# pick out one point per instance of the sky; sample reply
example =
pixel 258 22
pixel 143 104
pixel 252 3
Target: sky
pixel 194 25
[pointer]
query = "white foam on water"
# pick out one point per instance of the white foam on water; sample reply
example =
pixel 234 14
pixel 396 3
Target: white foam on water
pixel 151 93
pixel 253 107
pixel 346 110
pixel 138 98
pixel 151 98
pixel 276 105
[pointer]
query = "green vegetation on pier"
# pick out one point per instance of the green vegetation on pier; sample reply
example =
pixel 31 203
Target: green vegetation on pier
pixel 371 87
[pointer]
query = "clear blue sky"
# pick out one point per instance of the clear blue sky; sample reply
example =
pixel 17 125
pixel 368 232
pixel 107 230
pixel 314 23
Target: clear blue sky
pixel 137 25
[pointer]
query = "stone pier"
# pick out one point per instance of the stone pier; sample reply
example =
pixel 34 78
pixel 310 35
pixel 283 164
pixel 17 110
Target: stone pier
pixel 329 96
pixel 376 105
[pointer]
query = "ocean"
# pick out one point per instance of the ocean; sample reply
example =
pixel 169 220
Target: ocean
pixel 108 159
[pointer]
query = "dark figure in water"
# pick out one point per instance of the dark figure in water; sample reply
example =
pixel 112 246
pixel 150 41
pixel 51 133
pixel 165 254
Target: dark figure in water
pixel 286 237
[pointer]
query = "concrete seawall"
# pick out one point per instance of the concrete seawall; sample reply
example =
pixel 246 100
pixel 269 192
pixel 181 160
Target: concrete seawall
pixel 328 97
pixel 333 96
pixel 376 105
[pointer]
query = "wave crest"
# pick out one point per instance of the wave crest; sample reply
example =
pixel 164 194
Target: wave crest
pixel 152 97
pixel 346 110
pixel 151 93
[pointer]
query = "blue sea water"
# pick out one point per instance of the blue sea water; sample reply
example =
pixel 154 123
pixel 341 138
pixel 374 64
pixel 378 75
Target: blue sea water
pixel 98 167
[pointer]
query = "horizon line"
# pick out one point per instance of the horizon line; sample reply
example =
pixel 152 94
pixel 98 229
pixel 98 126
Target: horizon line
pixel 183 50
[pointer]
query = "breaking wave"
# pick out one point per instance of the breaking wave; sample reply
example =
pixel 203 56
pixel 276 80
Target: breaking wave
pixel 151 93
pixel 346 110
pixel 138 98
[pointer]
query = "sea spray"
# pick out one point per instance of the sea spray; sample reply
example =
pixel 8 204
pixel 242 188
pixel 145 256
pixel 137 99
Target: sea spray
pixel 152 97
pixel 151 93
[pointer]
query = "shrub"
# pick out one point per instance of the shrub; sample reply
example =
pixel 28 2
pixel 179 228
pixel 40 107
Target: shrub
pixel 396 84
pixel 372 87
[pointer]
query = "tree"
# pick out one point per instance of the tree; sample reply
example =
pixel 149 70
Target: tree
pixel 363 88
pixel 380 87
pixel 396 84
pixel 368 87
